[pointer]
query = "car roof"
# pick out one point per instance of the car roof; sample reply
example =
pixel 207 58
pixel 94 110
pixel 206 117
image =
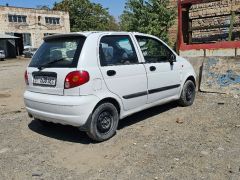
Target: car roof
pixel 88 33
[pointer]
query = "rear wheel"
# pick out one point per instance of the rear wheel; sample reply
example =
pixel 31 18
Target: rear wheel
pixel 188 94
pixel 2 59
pixel 104 122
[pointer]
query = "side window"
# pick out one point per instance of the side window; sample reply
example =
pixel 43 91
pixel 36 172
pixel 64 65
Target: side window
pixel 117 50
pixel 154 51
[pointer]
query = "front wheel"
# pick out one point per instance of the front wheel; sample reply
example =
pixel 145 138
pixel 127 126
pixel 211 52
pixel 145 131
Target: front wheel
pixel 104 122
pixel 188 94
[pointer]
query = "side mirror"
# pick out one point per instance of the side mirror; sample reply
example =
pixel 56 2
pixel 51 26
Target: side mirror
pixel 172 59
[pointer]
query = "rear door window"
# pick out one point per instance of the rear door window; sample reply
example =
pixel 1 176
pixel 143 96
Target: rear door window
pixel 117 50
pixel 58 53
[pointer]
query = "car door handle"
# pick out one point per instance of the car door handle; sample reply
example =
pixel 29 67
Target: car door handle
pixel 111 73
pixel 152 68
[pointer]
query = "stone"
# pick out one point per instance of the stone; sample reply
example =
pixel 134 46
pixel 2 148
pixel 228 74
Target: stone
pixel 4 150
pixel 37 173
pixel 205 153
pixel 220 149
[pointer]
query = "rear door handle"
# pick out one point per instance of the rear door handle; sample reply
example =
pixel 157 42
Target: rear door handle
pixel 152 68
pixel 111 73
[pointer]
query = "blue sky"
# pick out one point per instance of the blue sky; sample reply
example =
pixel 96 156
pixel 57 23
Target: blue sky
pixel 115 6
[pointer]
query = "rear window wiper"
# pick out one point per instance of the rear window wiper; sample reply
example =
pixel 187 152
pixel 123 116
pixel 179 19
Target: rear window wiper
pixel 41 67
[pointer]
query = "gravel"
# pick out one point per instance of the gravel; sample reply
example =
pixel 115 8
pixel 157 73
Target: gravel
pixel 164 142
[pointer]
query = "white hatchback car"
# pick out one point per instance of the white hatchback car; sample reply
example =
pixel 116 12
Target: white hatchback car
pixel 92 79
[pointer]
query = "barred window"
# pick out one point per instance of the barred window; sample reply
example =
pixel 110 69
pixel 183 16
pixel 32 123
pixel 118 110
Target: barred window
pixel 17 18
pixel 52 20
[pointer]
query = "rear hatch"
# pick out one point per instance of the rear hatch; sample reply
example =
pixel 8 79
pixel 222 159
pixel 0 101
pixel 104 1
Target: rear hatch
pixel 53 61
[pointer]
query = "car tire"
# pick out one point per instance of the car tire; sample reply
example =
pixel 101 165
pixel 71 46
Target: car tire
pixel 188 94
pixel 2 59
pixel 104 122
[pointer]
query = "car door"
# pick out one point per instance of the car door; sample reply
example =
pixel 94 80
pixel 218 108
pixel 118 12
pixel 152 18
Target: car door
pixel 163 76
pixel 123 74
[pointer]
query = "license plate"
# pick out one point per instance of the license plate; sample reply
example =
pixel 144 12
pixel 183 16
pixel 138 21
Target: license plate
pixel 44 81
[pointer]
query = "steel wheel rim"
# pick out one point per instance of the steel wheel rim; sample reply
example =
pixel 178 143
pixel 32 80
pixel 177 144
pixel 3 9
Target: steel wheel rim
pixel 104 122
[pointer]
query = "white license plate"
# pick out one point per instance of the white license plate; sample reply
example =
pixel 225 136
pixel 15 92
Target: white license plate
pixel 44 81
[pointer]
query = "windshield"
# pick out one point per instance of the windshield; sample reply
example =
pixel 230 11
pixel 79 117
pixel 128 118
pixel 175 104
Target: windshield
pixel 64 52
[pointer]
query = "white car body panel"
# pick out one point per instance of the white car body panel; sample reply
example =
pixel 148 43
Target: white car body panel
pixel 60 109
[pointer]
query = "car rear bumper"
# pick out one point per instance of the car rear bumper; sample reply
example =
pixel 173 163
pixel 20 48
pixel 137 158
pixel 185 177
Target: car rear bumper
pixel 67 110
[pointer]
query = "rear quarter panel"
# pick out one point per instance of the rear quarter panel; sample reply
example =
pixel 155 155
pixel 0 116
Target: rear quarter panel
pixel 89 61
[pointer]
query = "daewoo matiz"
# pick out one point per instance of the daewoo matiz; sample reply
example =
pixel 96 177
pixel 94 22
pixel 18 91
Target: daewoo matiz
pixel 92 79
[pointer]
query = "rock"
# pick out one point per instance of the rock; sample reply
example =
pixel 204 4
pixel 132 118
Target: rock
pixel 156 178
pixel 4 150
pixel 134 143
pixel 37 173
pixel 205 153
pixel 236 96
pixel 179 121
pixel 220 149
pixel 238 126
pixel 221 103
pixel 228 140
pixel 16 112
pixel 176 159
pixel 229 168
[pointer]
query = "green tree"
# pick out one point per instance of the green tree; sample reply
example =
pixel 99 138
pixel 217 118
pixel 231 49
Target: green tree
pixel 148 16
pixel 87 16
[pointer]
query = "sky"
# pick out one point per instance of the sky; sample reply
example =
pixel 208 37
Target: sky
pixel 115 6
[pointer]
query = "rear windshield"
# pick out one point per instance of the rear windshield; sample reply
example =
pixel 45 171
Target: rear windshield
pixel 58 53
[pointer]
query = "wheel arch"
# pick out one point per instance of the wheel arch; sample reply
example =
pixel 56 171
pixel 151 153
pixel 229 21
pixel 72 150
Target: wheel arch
pixel 109 100
pixel 192 78
pixel 85 127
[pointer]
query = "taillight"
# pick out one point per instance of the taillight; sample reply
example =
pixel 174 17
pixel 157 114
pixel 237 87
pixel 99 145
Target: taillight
pixel 26 77
pixel 76 78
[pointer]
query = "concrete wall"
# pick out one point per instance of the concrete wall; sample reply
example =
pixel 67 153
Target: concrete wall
pixel 35 24
pixel 221 75
pixel 197 63
pixel 217 74
pixel 226 52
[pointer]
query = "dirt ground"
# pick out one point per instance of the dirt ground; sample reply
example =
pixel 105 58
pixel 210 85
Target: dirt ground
pixel 165 142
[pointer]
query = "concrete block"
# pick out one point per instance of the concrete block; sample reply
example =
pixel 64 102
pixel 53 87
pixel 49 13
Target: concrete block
pixel 220 53
pixel 192 53
pixel 238 52
pixel 197 63
pixel 221 75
